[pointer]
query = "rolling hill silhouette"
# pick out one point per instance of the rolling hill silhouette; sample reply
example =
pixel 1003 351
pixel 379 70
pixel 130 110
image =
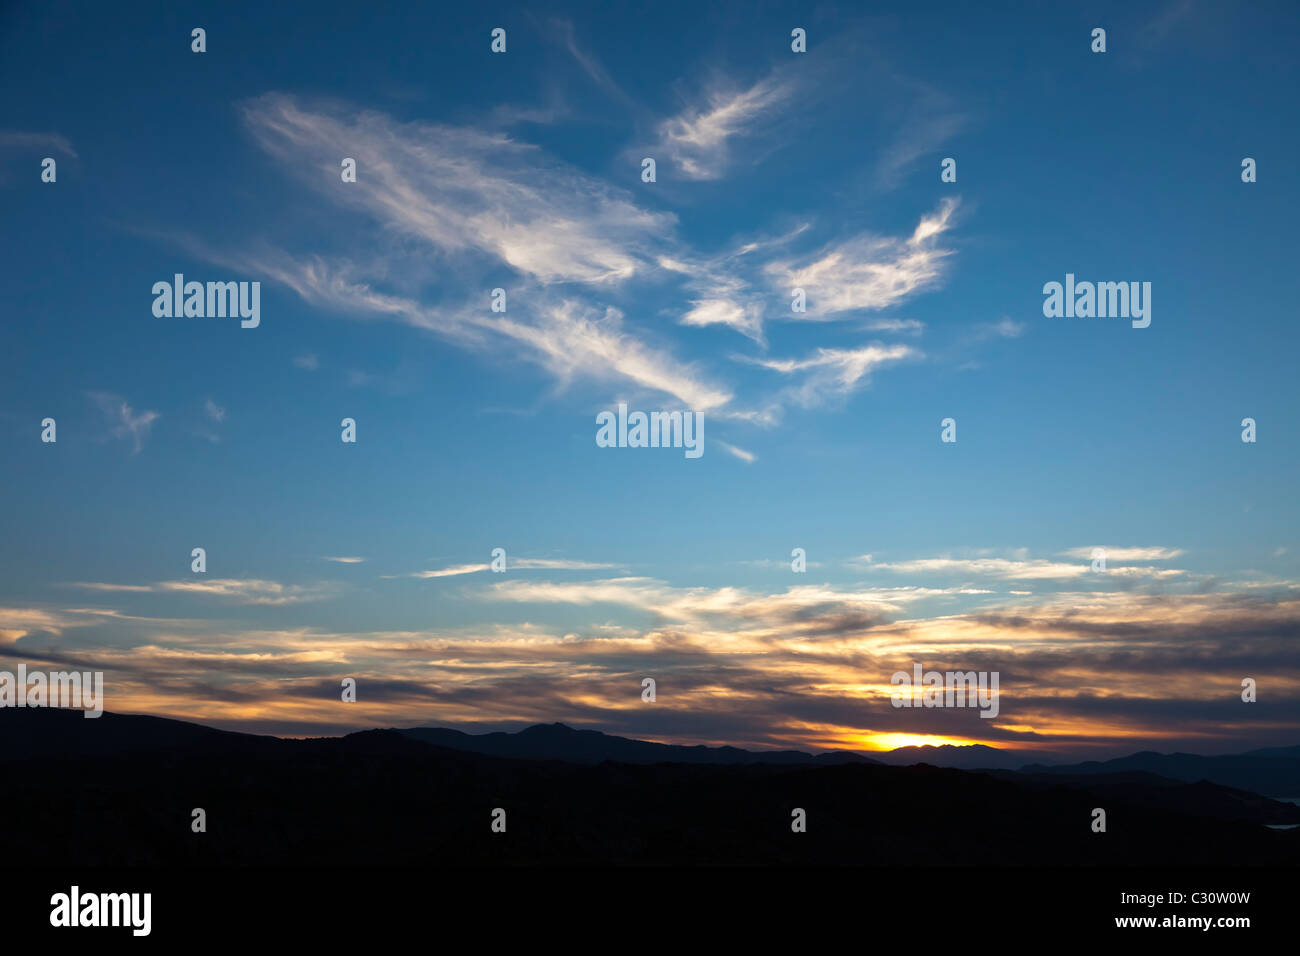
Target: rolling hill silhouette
pixel 1274 771
pixel 561 742
pixel 119 791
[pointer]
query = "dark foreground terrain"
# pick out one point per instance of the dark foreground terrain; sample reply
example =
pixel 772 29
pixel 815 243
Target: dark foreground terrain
pixel 119 791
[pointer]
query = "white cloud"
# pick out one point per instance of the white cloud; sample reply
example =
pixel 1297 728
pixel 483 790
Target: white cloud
pixel 1008 329
pixel 21 139
pixel 867 272
pixel 104 586
pixel 250 591
pixel 514 564
pixel 746 319
pixel 123 420
pixel 722 293
pixel 476 201
pixel 748 457
pixel 697 140
pixel 834 373
pixel 921 134
pixel 1015 569
pixel 569 339
pixel 588 62
pixel 903 326
pixel 556 564
pixel 1127 554
pixel 454 571
pixel 464 190
pixel 991 567
pixel 483 200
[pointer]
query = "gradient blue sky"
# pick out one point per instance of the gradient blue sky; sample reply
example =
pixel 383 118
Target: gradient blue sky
pixel 477 430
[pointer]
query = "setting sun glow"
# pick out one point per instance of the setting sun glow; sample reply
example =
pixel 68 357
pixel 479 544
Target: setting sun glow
pixel 890 741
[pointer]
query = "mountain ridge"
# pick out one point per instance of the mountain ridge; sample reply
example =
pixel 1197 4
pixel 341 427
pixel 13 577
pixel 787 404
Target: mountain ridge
pixel 559 741
pixel 130 784
pixel 1272 771
pixel 1277 769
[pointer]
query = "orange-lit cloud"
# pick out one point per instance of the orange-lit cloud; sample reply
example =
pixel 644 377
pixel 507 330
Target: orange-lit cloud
pixel 805 666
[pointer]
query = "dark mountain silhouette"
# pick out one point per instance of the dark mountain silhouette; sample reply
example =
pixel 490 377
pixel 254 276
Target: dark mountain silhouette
pixel 119 791
pixel 1274 752
pixel 561 742
pixel 1138 788
pixel 40 732
pixel 1274 771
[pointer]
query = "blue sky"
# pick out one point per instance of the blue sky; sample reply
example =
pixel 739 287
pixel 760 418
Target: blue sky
pixel 476 430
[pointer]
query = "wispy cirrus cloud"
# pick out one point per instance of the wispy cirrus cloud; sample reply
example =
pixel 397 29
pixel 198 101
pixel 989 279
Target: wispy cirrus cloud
pixel 834 373
pixel 481 201
pixel 19 622
pixel 463 190
pixel 123 420
pixel 901 326
pixel 723 289
pixel 450 572
pixel 923 133
pixel 587 60
pixel 563 334
pixel 514 564
pixel 1006 568
pixel 748 457
pixel 251 591
pixel 1029 569
pixel 23 139
pixel 569 339
pixel 698 140
pixel 1127 554
pixel 1004 328
pixel 746 318
pixel 557 564
pixel 868 272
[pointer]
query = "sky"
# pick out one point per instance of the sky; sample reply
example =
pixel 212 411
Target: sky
pixel 823 428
